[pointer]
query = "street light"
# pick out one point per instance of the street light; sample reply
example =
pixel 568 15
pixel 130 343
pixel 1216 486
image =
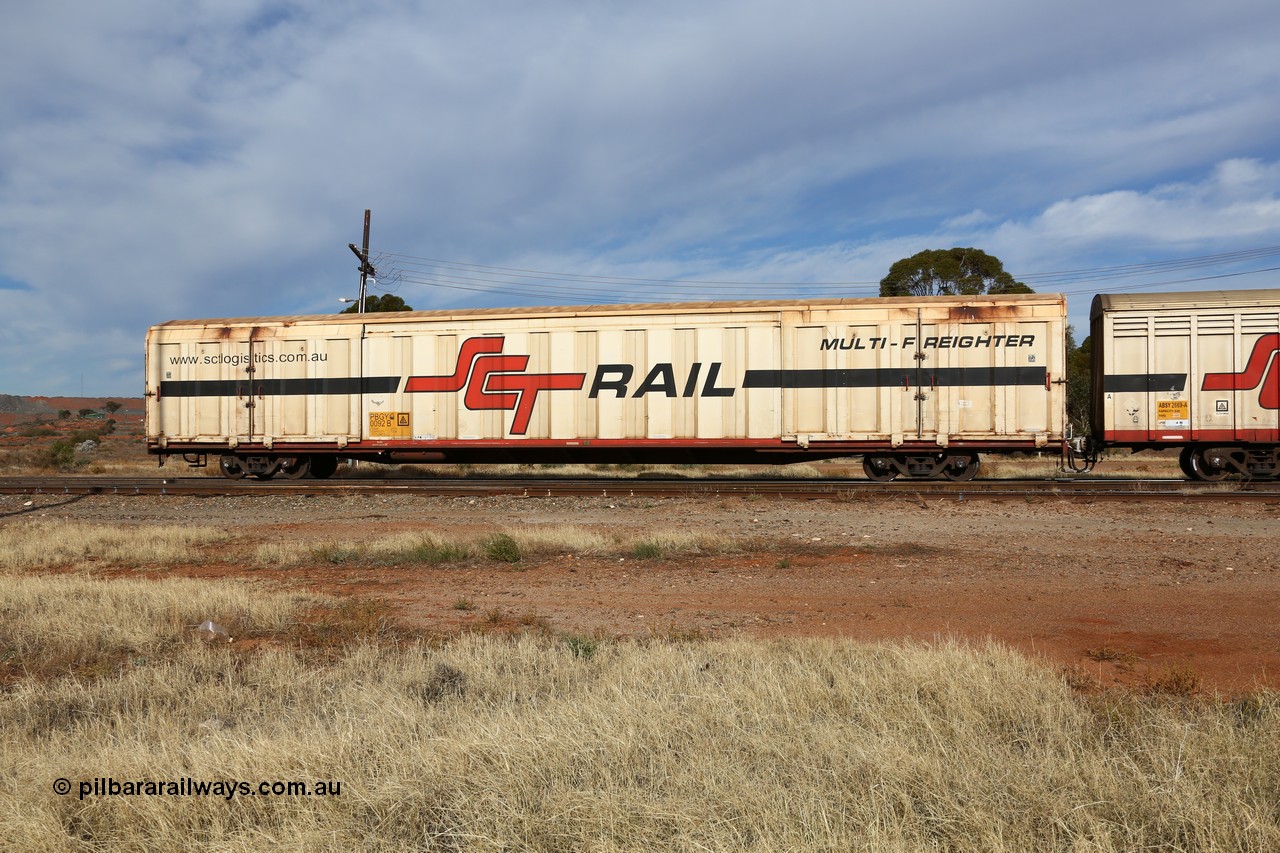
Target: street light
pixel 363 299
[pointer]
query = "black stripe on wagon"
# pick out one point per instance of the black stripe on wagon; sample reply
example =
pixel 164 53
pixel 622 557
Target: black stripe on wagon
pixel 1144 382
pixel 279 387
pixel 880 377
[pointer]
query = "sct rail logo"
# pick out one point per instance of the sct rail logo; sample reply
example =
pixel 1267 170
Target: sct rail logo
pixel 1255 373
pixel 495 381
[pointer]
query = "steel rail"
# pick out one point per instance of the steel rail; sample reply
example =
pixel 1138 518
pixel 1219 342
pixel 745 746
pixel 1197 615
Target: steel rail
pixel 1083 488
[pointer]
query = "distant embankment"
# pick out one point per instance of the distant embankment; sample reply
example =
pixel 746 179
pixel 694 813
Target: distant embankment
pixel 22 405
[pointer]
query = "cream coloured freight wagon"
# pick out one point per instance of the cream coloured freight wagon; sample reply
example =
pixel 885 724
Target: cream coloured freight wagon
pixel 1192 371
pixel 917 387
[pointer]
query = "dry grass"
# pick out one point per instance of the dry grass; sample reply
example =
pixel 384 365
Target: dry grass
pixel 145 467
pixel 1114 465
pixel 46 544
pixel 73 623
pixel 36 544
pixel 1004 468
pixel 398 549
pixel 560 539
pixel 491 743
pixel 374 470
pixel 29 463
pixel 508 545
pixel 547 742
pixel 685 544
pixel 994 467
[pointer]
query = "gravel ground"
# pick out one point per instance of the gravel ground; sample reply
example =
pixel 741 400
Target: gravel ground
pixel 1116 592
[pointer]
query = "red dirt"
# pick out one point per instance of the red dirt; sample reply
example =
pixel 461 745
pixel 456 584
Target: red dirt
pixel 1118 593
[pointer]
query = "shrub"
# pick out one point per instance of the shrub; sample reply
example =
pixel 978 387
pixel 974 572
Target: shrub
pixel 337 553
pixel 502 548
pixel 61 454
pixel 581 647
pixel 647 549
pixel 435 551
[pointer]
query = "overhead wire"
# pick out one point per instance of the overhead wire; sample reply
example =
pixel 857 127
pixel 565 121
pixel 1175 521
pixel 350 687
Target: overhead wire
pixel 1152 267
pixel 515 272
pixel 523 283
pixel 598 295
pixel 1196 279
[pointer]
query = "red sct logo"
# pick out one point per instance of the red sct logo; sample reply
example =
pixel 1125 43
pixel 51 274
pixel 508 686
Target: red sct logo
pixel 1255 373
pixel 496 381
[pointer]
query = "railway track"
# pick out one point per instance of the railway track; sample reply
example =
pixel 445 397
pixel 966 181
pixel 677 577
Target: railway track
pixel 1081 488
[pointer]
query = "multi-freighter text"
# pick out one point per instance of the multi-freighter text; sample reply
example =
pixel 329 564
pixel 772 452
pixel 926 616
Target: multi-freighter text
pixel 931 342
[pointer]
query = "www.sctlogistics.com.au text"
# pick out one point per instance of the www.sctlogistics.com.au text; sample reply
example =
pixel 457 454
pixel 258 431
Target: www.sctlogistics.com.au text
pixel 237 359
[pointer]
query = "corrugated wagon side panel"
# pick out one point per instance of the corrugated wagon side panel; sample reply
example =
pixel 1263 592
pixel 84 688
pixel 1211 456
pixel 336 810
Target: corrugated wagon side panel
pixel 229 385
pixel 715 414
pixel 1217 350
pixel 1257 376
pixel 197 385
pixel 586 409
pixel 339 412
pixel 926 373
pixel 1032 405
pixel 764 406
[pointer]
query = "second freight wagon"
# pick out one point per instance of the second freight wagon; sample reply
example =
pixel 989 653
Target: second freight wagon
pixel 1195 372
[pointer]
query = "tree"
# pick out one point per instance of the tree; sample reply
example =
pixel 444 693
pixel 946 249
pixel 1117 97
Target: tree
pixel 385 302
pixel 949 272
pixel 84 413
pixel 111 406
pixel 1079 382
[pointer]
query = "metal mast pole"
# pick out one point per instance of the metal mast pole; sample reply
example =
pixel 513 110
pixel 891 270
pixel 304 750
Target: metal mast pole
pixel 363 255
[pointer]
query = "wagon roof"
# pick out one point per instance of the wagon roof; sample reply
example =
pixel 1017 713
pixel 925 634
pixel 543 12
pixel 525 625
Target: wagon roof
pixel 759 305
pixel 1108 302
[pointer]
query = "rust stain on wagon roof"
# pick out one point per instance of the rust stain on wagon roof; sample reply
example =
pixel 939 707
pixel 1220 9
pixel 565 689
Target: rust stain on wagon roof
pixel 978 313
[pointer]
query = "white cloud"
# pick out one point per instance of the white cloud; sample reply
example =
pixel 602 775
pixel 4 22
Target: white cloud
pixel 1237 203
pixel 214 158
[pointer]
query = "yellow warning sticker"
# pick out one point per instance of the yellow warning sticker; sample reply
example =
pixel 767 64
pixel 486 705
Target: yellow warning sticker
pixel 1173 414
pixel 390 425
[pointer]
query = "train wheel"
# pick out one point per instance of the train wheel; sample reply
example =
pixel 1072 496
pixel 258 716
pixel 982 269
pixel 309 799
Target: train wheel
pixel 961 466
pixel 1204 468
pixel 323 467
pixel 879 468
pixel 1186 464
pixel 231 467
pixel 295 467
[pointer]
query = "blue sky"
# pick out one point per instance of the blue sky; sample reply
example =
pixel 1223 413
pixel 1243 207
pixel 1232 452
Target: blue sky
pixel 214 159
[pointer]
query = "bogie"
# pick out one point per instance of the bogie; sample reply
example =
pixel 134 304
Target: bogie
pixel 883 467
